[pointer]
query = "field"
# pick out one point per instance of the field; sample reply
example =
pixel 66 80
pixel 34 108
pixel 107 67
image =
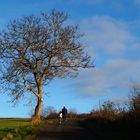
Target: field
pixel 16 128
pixel 13 122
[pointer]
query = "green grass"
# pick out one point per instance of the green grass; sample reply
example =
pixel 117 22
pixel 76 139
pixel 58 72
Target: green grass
pixel 17 128
pixel 13 123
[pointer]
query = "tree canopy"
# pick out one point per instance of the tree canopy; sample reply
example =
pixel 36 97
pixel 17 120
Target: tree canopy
pixel 36 49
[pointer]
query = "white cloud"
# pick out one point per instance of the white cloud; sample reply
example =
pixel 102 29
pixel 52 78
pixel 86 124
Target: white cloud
pixel 110 78
pixel 118 60
pixel 108 34
pixel 87 1
pixel 137 2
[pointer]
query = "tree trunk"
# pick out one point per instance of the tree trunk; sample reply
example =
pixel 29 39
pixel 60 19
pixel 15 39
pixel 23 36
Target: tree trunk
pixel 37 113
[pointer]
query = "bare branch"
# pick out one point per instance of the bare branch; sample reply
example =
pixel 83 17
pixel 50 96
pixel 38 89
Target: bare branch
pixel 36 49
pixel 32 90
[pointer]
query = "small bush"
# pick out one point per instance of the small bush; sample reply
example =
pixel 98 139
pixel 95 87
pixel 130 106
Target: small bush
pixel 72 113
pixel 9 136
pixel 135 102
pixel 49 112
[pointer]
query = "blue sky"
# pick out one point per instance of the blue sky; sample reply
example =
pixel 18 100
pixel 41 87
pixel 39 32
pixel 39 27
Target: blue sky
pixel 112 37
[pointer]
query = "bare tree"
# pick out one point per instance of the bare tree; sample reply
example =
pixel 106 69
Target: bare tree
pixel 134 104
pixel 72 113
pixel 49 112
pixel 36 49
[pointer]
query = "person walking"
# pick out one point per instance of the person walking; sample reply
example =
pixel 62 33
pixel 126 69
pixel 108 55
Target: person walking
pixel 64 113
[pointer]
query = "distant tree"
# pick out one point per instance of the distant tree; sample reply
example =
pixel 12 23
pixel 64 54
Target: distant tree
pixel 36 49
pixel 109 107
pixel 108 110
pixel 72 112
pixel 135 99
pixel 48 111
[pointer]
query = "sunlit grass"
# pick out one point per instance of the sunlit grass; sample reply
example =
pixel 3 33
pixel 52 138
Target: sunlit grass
pixel 16 128
pixel 13 123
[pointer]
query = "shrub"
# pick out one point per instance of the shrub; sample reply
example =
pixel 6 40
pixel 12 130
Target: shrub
pixel 49 112
pixel 9 136
pixel 134 106
pixel 72 113
pixel 108 110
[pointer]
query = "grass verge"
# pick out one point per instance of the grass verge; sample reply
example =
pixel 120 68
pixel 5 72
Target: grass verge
pixel 17 129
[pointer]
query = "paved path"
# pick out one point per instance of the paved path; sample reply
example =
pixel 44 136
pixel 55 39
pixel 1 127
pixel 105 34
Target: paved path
pixel 70 130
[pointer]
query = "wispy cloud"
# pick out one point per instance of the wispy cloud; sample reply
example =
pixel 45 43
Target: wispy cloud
pixel 114 76
pixel 137 2
pixel 88 1
pixel 116 48
pixel 108 34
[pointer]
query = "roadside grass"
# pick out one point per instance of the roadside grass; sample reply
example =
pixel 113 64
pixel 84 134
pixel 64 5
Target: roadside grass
pixel 50 121
pixel 17 129
pixel 21 129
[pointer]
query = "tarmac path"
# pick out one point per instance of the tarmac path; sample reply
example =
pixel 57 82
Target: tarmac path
pixel 69 130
